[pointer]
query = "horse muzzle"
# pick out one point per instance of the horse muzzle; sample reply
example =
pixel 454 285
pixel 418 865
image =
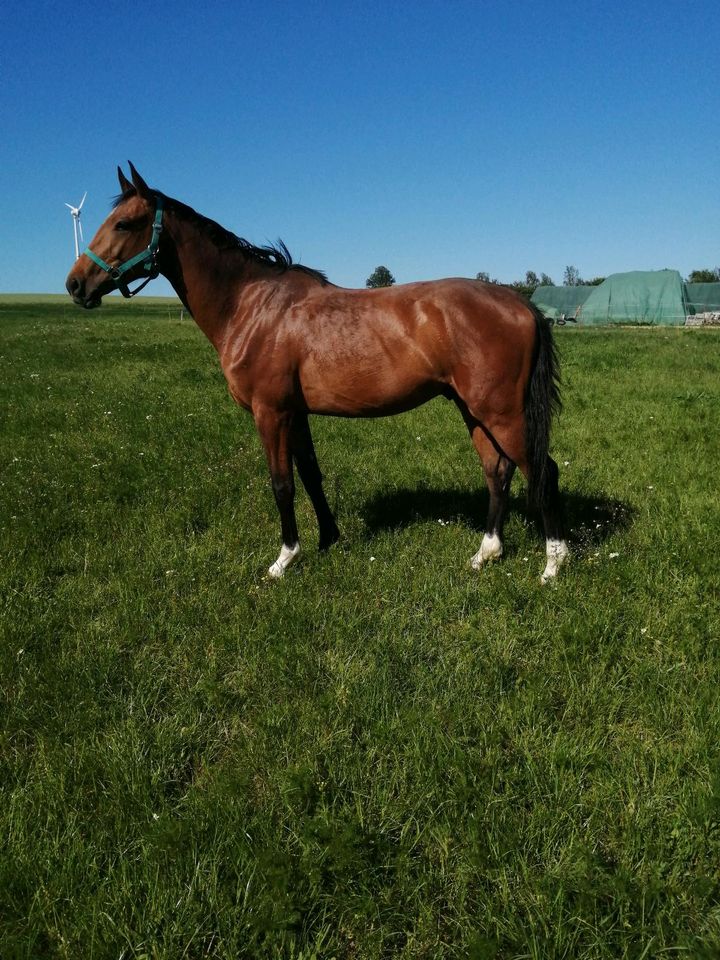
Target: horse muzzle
pixel 75 286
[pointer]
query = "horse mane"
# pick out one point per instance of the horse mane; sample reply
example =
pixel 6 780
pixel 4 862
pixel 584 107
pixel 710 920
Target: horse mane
pixel 271 255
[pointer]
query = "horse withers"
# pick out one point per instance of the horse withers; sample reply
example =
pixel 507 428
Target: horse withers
pixel 292 344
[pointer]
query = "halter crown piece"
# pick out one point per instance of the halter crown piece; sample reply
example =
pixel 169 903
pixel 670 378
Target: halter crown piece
pixel 147 257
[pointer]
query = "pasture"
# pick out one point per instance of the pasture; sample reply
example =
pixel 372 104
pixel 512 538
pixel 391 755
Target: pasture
pixel 385 754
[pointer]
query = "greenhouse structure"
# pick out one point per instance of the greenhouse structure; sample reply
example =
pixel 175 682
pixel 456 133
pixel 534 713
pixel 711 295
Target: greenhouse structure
pixel 648 297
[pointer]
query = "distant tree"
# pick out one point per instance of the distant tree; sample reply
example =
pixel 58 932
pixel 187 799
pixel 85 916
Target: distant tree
pixel 571 277
pixel 595 282
pixel 527 286
pixel 380 277
pixel 704 276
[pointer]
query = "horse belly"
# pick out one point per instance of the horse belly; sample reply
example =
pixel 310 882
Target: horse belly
pixel 373 388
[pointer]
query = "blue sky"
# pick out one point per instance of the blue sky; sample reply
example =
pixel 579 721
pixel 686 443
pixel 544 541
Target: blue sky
pixel 437 138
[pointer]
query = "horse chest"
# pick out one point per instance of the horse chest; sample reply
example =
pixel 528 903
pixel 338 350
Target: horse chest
pixel 251 379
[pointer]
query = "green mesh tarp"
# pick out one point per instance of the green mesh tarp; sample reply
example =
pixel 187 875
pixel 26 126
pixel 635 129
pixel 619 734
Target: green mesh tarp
pixel 703 297
pixel 639 297
pixel 561 302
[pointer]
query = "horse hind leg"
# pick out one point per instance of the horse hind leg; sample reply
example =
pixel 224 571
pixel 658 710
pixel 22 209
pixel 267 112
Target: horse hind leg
pixel 499 470
pixel 552 514
pixel 543 491
pixel 501 447
pixel 498 474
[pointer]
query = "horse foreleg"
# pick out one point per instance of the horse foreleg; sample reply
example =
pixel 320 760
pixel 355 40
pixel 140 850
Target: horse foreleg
pixel 274 429
pixel 303 451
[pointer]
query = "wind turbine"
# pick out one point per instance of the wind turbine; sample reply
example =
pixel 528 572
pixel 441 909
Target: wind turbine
pixel 75 214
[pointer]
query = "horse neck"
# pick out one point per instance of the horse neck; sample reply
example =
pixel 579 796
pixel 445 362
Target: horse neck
pixel 206 279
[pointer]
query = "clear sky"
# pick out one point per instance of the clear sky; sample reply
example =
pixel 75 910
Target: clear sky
pixel 437 138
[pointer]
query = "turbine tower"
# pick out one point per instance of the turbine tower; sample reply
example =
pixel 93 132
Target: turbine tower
pixel 77 226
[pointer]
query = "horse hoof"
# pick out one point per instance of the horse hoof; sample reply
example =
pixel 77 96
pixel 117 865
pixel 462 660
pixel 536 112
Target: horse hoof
pixel 557 554
pixel 490 549
pixel 328 540
pixel 288 556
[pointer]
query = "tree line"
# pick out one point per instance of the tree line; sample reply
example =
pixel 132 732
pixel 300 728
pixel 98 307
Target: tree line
pixel 381 277
pixel 528 286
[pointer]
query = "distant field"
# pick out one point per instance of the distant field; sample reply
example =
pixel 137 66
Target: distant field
pixel 385 754
pixel 62 300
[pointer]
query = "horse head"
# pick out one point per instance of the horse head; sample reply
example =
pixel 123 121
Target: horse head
pixel 125 248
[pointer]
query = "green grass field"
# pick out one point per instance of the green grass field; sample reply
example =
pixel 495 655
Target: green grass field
pixel 385 754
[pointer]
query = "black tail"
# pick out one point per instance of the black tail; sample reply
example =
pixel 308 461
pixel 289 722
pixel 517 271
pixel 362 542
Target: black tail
pixel 542 401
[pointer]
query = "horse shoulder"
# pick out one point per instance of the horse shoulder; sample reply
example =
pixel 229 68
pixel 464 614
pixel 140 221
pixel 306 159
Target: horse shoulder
pixel 257 354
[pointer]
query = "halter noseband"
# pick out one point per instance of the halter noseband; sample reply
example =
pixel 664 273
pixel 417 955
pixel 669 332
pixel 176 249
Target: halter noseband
pixel 148 258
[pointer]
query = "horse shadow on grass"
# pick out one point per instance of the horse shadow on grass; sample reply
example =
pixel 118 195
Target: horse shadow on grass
pixel 590 520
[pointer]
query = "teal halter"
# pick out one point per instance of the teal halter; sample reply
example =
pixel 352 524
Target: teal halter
pixel 148 258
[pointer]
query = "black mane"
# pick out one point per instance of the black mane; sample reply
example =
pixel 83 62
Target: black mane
pixel 271 255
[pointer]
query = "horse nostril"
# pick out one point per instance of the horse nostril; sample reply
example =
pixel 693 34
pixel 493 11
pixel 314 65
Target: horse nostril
pixel 73 286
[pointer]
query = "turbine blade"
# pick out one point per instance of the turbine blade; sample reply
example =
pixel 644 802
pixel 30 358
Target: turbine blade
pixel 80 229
pixel 82 201
pixel 69 206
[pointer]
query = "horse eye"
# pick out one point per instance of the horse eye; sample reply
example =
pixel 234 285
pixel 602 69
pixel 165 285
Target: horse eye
pixel 122 225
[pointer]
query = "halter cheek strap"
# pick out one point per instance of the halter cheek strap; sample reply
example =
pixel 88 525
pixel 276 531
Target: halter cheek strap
pixel 147 258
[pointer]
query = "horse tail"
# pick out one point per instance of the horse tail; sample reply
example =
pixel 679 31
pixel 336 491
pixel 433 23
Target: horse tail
pixel 542 402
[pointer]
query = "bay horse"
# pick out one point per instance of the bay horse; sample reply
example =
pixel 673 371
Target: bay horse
pixel 291 344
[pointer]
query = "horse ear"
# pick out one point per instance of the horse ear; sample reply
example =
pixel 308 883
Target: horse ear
pixel 125 184
pixel 142 188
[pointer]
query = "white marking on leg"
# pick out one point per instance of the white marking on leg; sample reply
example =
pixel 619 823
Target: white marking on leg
pixel 557 551
pixel 287 556
pixel 490 549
